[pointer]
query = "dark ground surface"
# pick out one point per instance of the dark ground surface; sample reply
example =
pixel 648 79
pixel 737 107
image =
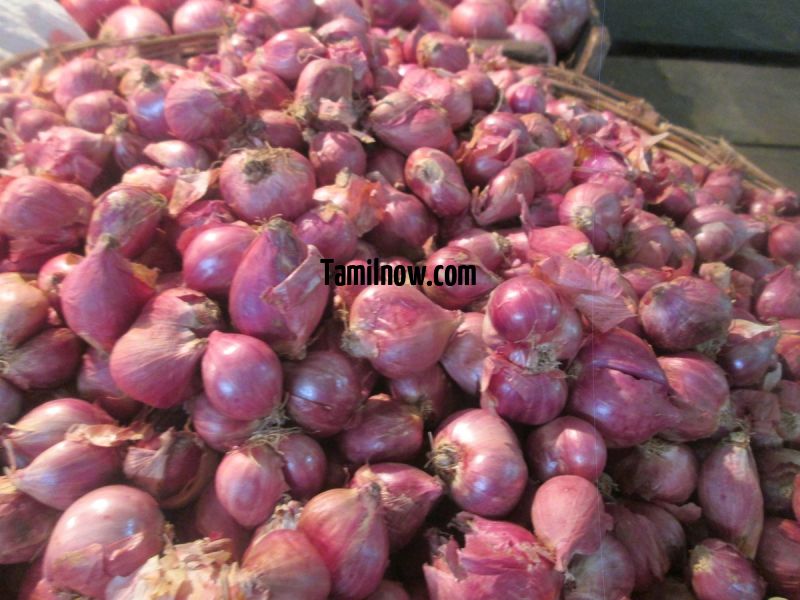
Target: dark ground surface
pixel 727 68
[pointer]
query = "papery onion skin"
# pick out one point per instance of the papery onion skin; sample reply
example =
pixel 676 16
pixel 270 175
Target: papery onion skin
pixel 242 376
pixel 684 313
pixel 566 446
pixel 778 555
pixel 398 329
pixel 348 530
pixel 568 517
pixel 382 429
pixel 407 497
pixel 479 458
pixel 730 495
pixel 25 525
pixel 278 292
pixel 249 483
pixel 405 124
pixel 498 560
pixel 108 532
pixel 211 520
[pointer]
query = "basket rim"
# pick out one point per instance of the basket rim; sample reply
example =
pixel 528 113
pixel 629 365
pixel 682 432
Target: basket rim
pixel 678 142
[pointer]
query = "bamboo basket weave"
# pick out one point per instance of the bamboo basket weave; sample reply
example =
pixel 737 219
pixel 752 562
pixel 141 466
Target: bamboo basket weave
pixel 680 143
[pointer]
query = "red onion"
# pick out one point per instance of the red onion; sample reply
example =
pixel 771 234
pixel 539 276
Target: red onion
pixel 200 105
pixel 304 464
pixel 443 88
pixel 428 391
pixel 382 429
pixel 526 32
pixel 68 154
pixel 387 165
pixel 658 471
pixel 719 571
pixel 329 230
pixel 491 248
pixel 404 123
pixel 155 361
pixel 323 392
pixel 108 532
pixel 286 53
pixel 435 178
pixel 481 19
pixel 25 525
pixel 486 156
pixel 394 13
pixel 552 170
pixel 66 471
pixel 788 346
pixel 407 497
pixel 729 493
pixel 133 22
pixel 348 529
pixel 215 429
pixel 605 574
pixel 175 154
pixel 646 540
pixel 779 297
pixel 284 564
pixel 526 96
pixel 778 556
pixel 265 90
pixel 398 329
pixel 278 293
pixel 323 79
pixel 23 310
pixel 404 226
pixel 81 76
pixel 568 517
pixel 777 469
pixel 562 20
pixel 796 497
pixel 520 395
pixel 93 111
pixel 269 128
pixel 242 376
pixel 211 258
pixel 211 520
pixel 46 360
pixel 146 104
pixel 480 87
pixel 523 308
pixel 465 352
pixel 698 392
pixel 90 13
pixel 173 467
pixel 11 401
pixel 130 214
pixel 595 210
pixel 28 125
pixel 103 295
pixel 249 483
pixel 441 51
pixel 749 351
pixel 558 240
pixel 288 17
pixel 261 183
pixel 198 15
pixel 332 151
pixel 479 458
pixel 361 200
pixel 717 232
pixel 460 293
pixel 566 446
pixel 784 243
pixel 684 313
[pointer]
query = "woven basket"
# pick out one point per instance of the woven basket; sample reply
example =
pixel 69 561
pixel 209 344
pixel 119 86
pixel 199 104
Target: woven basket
pixel 680 143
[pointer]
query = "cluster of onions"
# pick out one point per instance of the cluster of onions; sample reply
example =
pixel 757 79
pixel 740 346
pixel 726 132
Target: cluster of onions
pixel 199 396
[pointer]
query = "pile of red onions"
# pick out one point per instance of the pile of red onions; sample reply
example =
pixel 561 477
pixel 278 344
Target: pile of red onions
pixel 224 373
